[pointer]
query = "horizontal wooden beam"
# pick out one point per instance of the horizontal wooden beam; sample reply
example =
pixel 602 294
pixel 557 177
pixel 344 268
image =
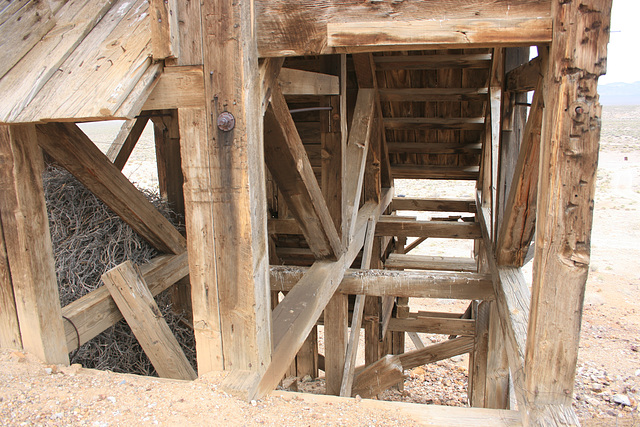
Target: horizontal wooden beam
pixel 434 148
pixel 427 262
pixel 456 32
pixel 525 77
pixel 433 325
pixel 432 62
pixel 74 151
pixel 327 26
pixel 433 94
pixel 388 226
pixel 434 172
pixel 437 205
pixel 93 313
pixel 382 283
pixel 183 86
pixel 433 123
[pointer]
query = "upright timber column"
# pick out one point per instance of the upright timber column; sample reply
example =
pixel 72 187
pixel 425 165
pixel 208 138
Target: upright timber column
pixel 569 156
pixel 227 194
pixel 28 243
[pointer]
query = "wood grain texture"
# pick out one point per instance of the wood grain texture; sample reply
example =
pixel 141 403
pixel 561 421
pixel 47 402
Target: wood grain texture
pixel 431 62
pixel 74 151
pixel 132 296
pixel 569 157
pixel 126 140
pixel 163 23
pixel 389 226
pixel 27 240
pixel 525 77
pixel 433 325
pixel 435 352
pixel 428 262
pixel 441 205
pixel 9 327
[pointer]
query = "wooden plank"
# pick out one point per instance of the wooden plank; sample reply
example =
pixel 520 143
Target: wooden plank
pixel 93 313
pixel 73 150
pixel 569 157
pixel 355 160
pixel 132 105
pixel 525 77
pixel 177 87
pixel 269 71
pixel 300 82
pixel 378 377
pixel 417 342
pixel 111 73
pixel 163 20
pixel 438 205
pixel 431 62
pixel 20 84
pixel 433 325
pixel 432 94
pixel 436 352
pixel 518 225
pixel 25 227
pixel 478 360
pixel 129 291
pixel 9 327
pixel 439 229
pixel 434 123
pixel 409 171
pixel 290 168
pixel 456 32
pixel 21 29
pixel 190 30
pixel 126 140
pixel 433 284
pixel 427 262
pixel 497 395
pixel 434 148
pixel 283 33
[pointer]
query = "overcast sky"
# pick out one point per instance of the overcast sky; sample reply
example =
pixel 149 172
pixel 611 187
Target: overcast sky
pixel 623 56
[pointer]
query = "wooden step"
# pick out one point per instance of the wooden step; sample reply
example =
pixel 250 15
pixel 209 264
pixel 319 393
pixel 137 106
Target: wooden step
pixel 434 123
pixel 433 94
pixel 427 262
pixel 411 171
pixel 436 205
pixel 434 148
pixel 432 62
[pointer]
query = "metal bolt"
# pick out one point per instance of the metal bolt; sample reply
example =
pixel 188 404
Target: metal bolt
pixel 226 121
pixel 579 110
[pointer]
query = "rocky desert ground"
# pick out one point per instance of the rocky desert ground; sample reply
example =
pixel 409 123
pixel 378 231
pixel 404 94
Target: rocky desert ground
pixel 607 390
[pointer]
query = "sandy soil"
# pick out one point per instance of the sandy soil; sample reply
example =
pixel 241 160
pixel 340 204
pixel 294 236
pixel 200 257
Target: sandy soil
pixel 607 381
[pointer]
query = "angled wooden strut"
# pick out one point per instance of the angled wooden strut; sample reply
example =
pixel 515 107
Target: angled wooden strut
pixel 289 165
pixel 70 147
pixel 126 140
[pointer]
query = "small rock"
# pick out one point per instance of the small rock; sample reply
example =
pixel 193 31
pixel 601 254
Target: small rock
pixel 621 399
pixel 593 402
pixel 254 403
pixel 111 399
pixel 358 398
pixel 19 357
pixel 307 378
pixel 597 387
pixel 637 372
pixel 48 371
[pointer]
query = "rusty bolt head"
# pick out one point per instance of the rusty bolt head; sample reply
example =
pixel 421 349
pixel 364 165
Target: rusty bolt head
pixel 226 121
pixel 579 110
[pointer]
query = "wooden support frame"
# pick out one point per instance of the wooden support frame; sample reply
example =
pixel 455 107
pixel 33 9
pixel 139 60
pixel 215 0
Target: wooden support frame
pixel 9 327
pixel 126 140
pixel 25 228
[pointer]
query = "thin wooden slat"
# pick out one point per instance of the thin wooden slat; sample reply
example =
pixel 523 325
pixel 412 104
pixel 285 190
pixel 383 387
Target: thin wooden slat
pixel 126 140
pixel 20 85
pixel 478 360
pixel 497 395
pixel 300 82
pixel 436 352
pixel 434 148
pixel 132 105
pixel 73 150
pixel 409 171
pixel 291 170
pixel 430 62
pixel 417 342
pixel 93 313
pixel 427 262
pixel 25 228
pixel 129 291
pixel 432 94
pixel 434 123
pixel 439 205
pixel 21 29
pixel 456 32
pixel 433 284
pixel 433 325
pixel 389 226
pixel 9 327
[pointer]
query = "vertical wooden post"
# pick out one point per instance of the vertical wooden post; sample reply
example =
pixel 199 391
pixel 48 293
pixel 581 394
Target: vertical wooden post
pixel 28 242
pixel 9 327
pixel 497 385
pixel 334 142
pixel 478 358
pixel 568 161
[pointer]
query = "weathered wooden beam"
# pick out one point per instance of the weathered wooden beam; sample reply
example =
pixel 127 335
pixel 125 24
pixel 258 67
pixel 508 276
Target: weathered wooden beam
pixel 73 150
pixel 439 205
pixel 126 140
pixel 378 377
pixel 388 226
pixel 177 87
pixel 434 172
pixel 569 157
pixel 525 77
pixel 427 262
pixel 25 227
pixel 165 37
pixel 497 381
pixel 518 224
pixel 433 325
pixel 432 94
pixel 431 62
pixel 270 69
pixel 300 82
pixel 436 352
pixel 93 313
pixel 134 300
pixel 9 326
pixel 434 148
pixel 290 168
pixel 433 284
pixel 434 123
pixel 478 360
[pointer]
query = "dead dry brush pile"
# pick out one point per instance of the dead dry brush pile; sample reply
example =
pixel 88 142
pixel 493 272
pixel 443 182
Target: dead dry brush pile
pixel 89 239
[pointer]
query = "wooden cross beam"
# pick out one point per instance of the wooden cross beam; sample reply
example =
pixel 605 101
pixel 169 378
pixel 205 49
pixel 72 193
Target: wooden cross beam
pixel 126 140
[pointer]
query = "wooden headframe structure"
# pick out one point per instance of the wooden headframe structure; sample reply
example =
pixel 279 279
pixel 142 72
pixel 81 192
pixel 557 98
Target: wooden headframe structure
pixel 280 126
